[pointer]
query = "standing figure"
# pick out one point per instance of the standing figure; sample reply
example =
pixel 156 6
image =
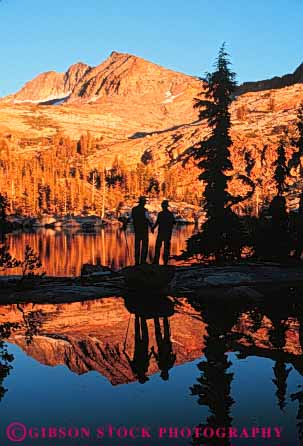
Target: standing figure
pixel 165 221
pixel 141 358
pixel 165 356
pixel 141 223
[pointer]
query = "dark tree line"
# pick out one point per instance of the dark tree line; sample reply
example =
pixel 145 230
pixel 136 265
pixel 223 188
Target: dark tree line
pixel 275 234
pixel 224 334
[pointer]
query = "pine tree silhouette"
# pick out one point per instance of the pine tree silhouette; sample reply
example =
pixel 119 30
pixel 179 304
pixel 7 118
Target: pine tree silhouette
pixel 297 142
pixel 274 238
pixel 281 171
pixel 281 373
pixel 214 152
pixel 221 236
pixel 3 206
pixel 213 387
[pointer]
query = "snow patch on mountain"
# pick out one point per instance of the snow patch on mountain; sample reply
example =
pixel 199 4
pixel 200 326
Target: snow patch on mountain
pixel 56 100
pixel 169 97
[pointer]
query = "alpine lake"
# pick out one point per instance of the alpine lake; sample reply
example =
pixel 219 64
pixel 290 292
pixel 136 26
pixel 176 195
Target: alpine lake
pixel 118 371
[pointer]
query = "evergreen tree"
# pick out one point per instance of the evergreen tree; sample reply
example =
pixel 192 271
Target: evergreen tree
pixel 221 233
pixel 273 238
pixel 295 160
pixel 281 171
pixel 3 208
pixel 213 153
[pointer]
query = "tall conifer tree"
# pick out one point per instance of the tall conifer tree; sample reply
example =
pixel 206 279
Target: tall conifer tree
pixel 221 236
pixel 297 141
pixel 281 170
pixel 213 153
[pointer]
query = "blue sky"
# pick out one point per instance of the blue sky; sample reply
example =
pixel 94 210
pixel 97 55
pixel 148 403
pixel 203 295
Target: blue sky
pixel 264 37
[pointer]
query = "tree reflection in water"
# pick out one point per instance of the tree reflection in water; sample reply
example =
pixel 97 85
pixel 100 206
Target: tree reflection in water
pixel 299 395
pixel 5 358
pixel 266 330
pixel 278 314
pixel 31 324
pixel 214 384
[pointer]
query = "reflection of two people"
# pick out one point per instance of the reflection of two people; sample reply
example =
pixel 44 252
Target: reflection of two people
pixel 164 355
pixel 142 222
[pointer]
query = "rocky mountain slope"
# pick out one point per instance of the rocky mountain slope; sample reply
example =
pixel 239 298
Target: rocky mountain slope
pixel 141 112
pixel 276 82
pixel 50 86
pixel 125 75
pixel 121 78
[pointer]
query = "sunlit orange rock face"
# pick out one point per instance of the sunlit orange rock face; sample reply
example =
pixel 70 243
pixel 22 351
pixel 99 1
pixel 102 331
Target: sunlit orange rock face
pixel 50 85
pixel 126 92
pixel 92 336
pixel 144 111
pixel 276 82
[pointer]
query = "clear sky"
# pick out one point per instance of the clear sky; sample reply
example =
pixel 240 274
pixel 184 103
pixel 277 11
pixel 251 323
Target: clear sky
pixel 263 37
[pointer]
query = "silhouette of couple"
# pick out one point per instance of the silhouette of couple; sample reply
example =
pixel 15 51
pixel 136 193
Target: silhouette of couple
pixel 141 220
pixel 164 356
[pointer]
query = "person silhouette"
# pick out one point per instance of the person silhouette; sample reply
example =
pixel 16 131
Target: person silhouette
pixel 165 356
pixel 165 221
pixel 141 222
pixel 141 358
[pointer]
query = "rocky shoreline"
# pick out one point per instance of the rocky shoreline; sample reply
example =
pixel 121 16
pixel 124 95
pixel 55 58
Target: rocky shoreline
pixel 251 281
pixel 185 213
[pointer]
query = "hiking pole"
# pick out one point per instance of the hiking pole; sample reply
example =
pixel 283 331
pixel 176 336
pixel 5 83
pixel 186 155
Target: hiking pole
pixel 127 332
pixel 127 248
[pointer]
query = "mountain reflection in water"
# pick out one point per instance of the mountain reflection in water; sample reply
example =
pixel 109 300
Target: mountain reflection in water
pixel 125 342
pixel 63 252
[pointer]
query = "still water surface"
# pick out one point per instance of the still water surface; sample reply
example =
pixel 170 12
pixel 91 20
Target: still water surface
pixel 62 253
pixel 105 362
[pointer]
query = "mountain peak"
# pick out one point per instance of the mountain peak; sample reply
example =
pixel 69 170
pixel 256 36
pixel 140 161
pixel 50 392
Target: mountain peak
pixel 117 54
pixel 124 75
pixel 46 86
pixel 74 75
pixel 50 86
pixel 121 75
